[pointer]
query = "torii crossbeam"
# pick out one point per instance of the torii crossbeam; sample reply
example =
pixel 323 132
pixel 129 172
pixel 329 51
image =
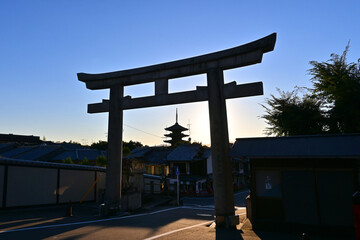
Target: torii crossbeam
pixel 216 92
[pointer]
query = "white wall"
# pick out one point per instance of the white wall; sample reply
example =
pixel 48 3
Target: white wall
pixel 31 186
pixel 147 185
pixel 100 185
pixel 36 183
pixel 74 184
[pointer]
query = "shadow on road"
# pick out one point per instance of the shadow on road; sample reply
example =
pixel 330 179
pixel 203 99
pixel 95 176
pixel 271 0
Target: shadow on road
pixel 228 234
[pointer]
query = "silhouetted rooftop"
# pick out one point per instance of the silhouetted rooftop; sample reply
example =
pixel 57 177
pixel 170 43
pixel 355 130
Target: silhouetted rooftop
pixel 79 154
pixel 176 127
pixel 185 152
pixel 47 164
pixel 316 146
pixel 38 152
pixel 13 153
pixel 155 155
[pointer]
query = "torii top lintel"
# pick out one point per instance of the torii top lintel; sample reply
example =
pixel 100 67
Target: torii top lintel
pixel 243 55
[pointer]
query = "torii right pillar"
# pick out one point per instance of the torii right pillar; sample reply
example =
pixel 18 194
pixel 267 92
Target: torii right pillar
pixel 222 169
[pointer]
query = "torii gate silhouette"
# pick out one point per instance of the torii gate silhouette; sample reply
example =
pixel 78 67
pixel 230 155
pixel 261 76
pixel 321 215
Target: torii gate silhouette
pixel 216 92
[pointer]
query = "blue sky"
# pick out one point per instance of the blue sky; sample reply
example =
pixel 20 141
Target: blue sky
pixel 43 44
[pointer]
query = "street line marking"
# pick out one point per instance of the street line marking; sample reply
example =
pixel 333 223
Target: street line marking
pixel 199 208
pixel 178 230
pixel 204 215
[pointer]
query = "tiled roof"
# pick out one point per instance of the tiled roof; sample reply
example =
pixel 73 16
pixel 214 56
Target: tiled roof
pixel 38 152
pixel 9 161
pixel 316 146
pixel 206 153
pixel 4 147
pixel 80 154
pixel 53 152
pixel 139 152
pixel 184 152
pixel 16 151
pixel 176 127
pixel 155 155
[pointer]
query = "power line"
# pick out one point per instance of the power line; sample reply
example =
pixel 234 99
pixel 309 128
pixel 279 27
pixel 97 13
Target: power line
pixel 142 131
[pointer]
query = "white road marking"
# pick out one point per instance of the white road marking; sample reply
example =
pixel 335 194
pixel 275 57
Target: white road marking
pixel 100 220
pixel 178 230
pixel 204 215
pixel 198 208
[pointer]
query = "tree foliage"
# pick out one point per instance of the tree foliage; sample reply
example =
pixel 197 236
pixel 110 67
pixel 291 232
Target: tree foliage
pixel 337 84
pixel 127 146
pixel 292 115
pixel 101 161
pixel 67 160
pixel 85 161
pixel 331 106
pixel 101 145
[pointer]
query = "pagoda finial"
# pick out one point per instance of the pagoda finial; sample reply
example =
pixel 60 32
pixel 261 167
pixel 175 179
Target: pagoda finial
pixel 176 116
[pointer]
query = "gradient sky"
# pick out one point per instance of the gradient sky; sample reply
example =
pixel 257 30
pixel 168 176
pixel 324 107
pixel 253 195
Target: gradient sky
pixel 43 44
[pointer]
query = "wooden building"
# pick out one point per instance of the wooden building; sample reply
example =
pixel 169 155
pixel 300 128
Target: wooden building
pixel 302 182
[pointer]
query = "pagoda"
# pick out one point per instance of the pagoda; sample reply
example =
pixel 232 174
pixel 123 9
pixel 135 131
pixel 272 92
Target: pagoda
pixel 175 134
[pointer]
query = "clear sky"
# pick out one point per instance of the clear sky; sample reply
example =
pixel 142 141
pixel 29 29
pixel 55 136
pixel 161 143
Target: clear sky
pixel 43 44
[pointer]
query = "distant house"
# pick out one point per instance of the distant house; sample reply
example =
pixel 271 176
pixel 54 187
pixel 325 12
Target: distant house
pixel 152 160
pixel 4 147
pixel 49 152
pixel 21 139
pixel 302 182
pixel 191 161
pixel 35 153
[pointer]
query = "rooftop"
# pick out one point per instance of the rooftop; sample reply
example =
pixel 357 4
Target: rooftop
pixel 312 146
pixel 185 152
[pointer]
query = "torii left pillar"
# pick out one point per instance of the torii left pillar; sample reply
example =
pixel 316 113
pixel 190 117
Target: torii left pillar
pixel 114 155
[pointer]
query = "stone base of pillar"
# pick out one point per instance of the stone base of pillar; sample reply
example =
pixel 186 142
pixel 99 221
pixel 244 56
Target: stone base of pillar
pixel 108 210
pixel 227 221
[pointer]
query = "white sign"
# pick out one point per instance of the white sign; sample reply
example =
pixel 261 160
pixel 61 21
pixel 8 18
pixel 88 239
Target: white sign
pixel 268 183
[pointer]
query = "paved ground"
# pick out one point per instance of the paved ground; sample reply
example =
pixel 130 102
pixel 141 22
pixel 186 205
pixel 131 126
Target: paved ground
pixel 190 221
pixel 239 200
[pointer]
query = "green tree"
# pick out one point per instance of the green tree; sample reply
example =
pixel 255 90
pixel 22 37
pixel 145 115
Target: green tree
pixel 131 145
pixel 67 160
pixel 126 151
pixel 101 145
pixel 101 161
pixel 337 84
pixel 331 106
pixel 291 115
pixel 85 161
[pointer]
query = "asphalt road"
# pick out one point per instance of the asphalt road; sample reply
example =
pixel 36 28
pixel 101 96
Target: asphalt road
pixel 160 224
pixel 190 220
pixel 239 200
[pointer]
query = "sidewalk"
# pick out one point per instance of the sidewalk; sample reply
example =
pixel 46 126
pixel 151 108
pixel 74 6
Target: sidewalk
pixel 249 234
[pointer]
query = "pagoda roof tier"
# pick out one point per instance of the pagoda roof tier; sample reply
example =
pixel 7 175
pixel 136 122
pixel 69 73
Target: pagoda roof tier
pixel 176 135
pixel 173 141
pixel 176 127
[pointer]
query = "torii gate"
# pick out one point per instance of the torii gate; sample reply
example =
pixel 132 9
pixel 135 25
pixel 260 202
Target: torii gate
pixel 216 92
